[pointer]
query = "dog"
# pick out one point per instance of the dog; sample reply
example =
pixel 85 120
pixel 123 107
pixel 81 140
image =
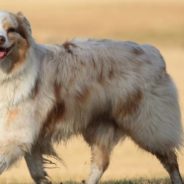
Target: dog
pixel 103 90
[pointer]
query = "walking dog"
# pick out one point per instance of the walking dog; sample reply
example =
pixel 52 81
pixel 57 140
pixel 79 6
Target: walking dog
pixel 103 90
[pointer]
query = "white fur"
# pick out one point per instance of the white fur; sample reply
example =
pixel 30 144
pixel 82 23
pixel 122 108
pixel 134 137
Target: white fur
pixel 95 175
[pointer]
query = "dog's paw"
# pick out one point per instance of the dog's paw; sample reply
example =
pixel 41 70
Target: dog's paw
pixel 44 181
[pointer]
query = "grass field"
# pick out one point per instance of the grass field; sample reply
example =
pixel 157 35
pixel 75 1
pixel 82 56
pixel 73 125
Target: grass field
pixel 158 22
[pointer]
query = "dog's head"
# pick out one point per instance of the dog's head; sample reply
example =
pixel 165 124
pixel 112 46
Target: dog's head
pixel 15 40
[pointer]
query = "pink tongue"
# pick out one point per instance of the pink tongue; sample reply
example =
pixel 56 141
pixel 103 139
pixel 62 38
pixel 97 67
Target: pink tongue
pixel 2 54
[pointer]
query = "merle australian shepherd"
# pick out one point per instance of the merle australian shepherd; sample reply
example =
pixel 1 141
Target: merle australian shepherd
pixel 103 90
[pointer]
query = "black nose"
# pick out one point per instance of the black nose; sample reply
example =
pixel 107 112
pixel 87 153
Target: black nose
pixel 2 40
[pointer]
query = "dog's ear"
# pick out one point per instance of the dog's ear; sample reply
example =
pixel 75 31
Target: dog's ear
pixel 24 27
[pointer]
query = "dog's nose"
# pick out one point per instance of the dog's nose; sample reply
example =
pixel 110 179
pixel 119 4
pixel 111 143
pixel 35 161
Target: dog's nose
pixel 2 40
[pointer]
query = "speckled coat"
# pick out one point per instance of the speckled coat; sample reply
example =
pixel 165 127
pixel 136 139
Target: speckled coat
pixel 102 89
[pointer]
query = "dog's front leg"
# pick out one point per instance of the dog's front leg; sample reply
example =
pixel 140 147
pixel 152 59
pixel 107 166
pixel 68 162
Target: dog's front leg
pixel 18 132
pixel 34 162
pixel 11 151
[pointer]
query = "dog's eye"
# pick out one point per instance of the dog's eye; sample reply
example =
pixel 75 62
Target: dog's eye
pixel 11 30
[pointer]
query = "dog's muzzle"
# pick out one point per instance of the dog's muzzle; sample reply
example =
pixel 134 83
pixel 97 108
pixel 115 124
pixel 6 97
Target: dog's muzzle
pixel 5 51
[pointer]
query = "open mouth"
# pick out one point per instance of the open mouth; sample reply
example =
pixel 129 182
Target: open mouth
pixel 5 51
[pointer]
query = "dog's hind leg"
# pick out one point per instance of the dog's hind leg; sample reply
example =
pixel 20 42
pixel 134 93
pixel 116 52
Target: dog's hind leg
pixel 162 149
pixel 34 161
pixel 169 161
pixel 102 138
pixel 158 128
pixel 167 157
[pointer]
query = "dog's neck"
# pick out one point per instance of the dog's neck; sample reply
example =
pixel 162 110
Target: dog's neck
pixel 18 86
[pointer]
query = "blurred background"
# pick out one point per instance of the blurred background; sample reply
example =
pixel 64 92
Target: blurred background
pixel 159 22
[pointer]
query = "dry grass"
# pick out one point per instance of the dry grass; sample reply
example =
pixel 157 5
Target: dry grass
pixel 157 22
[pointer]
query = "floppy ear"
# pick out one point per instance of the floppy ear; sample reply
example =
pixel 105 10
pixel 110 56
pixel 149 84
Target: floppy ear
pixel 24 27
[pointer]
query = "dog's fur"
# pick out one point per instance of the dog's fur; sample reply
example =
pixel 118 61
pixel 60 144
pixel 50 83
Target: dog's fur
pixel 104 90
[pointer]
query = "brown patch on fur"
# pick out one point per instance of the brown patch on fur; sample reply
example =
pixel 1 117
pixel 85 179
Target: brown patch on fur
pixel 131 105
pixel 83 95
pixel 57 91
pixel 57 112
pixel 169 161
pixel 6 24
pixel 67 46
pixel 22 50
pixel 20 40
pixel 22 31
pixel 53 117
pixel 12 115
pixel 111 73
pixel 137 50
pixel 100 156
pixel 100 120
